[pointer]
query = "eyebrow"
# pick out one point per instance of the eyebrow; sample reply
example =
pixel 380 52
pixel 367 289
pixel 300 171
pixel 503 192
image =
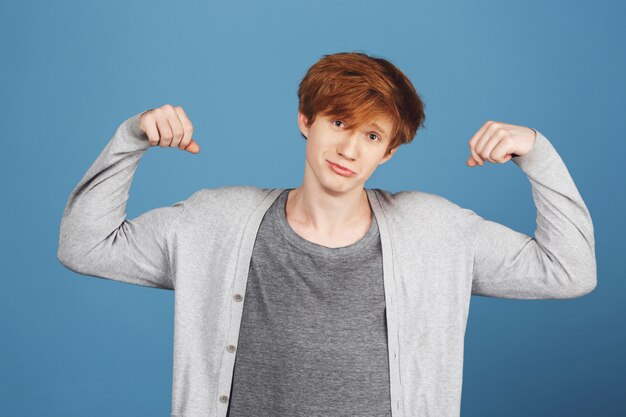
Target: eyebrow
pixel 375 126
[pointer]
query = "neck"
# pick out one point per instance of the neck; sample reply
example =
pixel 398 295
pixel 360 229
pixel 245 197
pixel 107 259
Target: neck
pixel 325 213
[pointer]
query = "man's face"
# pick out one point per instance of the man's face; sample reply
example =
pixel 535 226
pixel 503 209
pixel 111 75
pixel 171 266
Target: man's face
pixel 360 150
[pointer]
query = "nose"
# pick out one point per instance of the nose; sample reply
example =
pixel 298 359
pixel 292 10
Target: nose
pixel 348 145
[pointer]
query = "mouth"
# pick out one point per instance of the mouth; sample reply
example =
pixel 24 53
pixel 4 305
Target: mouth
pixel 340 169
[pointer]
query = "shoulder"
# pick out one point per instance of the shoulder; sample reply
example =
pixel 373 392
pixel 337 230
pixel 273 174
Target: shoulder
pixel 229 201
pixel 242 194
pixel 431 217
pixel 416 202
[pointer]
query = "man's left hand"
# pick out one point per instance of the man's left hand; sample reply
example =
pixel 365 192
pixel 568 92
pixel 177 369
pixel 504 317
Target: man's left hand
pixel 498 142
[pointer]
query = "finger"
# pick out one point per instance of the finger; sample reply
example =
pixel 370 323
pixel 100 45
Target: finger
pixel 502 151
pixel 485 147
pixel 187 127
pixel 500 135
pixel 177 131
pixel 151 130
pixel 175 125
pixel 471 162
pixel 193 147
pixel 472 142
pixel 488 141
pixel 165 131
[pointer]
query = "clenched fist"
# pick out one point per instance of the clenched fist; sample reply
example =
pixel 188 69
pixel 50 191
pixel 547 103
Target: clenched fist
pixel 498 142
pixel 168 126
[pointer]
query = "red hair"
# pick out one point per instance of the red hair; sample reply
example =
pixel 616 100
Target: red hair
pixel 356 87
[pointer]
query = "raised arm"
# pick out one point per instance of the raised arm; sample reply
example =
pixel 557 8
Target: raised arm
pixel 95 238
pixel 559 261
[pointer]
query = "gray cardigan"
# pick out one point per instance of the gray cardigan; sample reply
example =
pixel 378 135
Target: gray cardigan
pixel 435 256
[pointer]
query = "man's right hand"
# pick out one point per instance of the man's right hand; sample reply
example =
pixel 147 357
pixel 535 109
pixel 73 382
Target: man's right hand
pixel 168 126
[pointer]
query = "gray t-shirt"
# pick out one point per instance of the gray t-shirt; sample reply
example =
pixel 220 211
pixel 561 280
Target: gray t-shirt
pixel 313 338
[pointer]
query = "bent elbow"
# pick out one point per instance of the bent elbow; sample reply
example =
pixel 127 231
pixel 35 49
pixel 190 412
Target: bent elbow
pixel 586 288
pixel 68 255
pixel 579 277
pixel 64 257
pixel 583 286
pixel 588 278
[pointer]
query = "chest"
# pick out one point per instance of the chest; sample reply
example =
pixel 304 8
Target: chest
pixel 340 238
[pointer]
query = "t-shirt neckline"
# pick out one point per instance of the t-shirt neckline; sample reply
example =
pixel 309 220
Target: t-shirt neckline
pixel 280 216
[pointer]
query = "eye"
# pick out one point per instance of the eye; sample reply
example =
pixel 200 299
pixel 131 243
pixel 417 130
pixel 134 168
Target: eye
pixel 337 121
pixel 374 136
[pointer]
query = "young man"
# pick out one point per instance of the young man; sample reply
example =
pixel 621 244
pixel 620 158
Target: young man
pixel 334 299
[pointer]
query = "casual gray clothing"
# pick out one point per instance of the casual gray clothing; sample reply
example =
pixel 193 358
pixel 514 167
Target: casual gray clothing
pixel 313 340
pixel 435 255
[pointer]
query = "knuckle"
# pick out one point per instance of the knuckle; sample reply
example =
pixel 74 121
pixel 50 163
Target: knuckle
pixel 177 134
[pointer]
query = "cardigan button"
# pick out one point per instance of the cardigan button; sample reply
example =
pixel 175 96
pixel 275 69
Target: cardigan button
pixel 231 348
pixel 238 297
pixel 224 398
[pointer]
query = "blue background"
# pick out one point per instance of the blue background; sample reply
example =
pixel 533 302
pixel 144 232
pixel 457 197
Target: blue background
pixel 72 71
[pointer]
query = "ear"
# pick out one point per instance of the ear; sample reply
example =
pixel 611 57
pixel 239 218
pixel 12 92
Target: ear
pixel 302 124
pixel 388 157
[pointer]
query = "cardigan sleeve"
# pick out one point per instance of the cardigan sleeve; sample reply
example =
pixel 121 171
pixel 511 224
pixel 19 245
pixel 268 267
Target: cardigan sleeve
pixel 559 261
pixel 95 237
